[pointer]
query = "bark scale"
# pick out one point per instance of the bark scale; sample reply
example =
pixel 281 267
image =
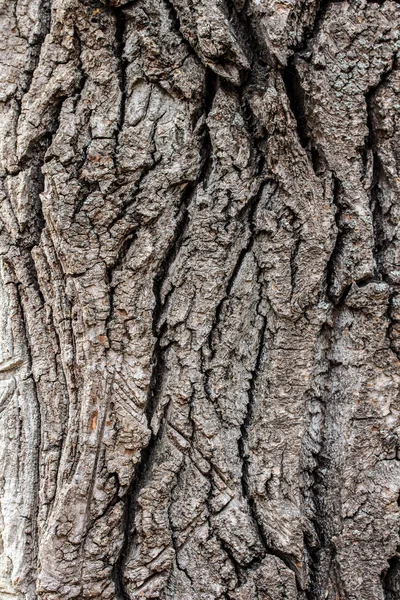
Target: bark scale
pixel 199 300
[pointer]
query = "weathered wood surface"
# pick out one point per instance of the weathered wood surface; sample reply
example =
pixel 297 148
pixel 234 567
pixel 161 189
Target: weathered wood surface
pixel 200 301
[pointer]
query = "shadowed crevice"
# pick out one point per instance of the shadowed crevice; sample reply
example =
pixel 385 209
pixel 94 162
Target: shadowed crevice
pixel 143 466
pixel 391 579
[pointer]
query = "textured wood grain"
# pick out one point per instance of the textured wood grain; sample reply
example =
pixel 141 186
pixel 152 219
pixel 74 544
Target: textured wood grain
pixel 199 300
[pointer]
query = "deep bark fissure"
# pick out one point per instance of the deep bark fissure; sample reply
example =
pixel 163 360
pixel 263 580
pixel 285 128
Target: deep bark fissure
pixel 381 243
pixel 36 46
pixel 313 30
pixel 120 32
pixel 391 579
pixel 390 576
pixel 326 477
pixel 322 545
pixel 147 453
pixel 243 452
pixel 251 210
pixel 176 24
pixel 122 253
pixel 36 451
pixel 143 465
pixel 297 102
pixel 295 94
pixel 377 216
pixel 337 193
pixel 377 170
pixel 173 540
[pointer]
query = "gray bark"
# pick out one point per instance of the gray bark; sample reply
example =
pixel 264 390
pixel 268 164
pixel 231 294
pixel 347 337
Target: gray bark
pixel 199 300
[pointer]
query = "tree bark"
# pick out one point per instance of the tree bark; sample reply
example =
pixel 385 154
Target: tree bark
pixel 200 300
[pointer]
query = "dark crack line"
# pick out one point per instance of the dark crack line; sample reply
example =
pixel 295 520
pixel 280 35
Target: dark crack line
pixel 297 102
pixel 391 579
pixel 38 450
pixel 173 531
pixel 147 454
pixel 311 32
pixel 321 548
pixel 381 243
pixel 390 576
pixel 36 46
pixel 337 192
pixel 289 560
pixel 251 209
pixel 120 33
pixel 117 264
pixel 296 97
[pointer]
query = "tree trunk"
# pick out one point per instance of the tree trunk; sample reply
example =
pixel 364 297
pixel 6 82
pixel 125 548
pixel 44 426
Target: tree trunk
pixel 200 300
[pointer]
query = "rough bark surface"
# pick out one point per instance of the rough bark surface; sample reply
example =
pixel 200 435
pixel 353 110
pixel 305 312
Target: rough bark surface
pixel 199 300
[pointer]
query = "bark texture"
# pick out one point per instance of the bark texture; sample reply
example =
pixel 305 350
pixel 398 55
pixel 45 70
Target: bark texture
pixel 199 300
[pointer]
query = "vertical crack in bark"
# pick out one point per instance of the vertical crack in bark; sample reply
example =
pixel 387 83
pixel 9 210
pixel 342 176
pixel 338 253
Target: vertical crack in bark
pixel 251 210
pixel 288 559
pixel 295 96
pixel 210 90
pixel 110 505
pixel 324 492
pixel 391 576
pixel 322 556
pixel 391 580
pixel 337 191
pixel 381 243
pixel 126 245
pixel 243 441
pixel 35 159
pixel 147 453
pixel 296 230
pixel 120 32
pixel 256 46
pixel 311 34
pixel 37 154
pixel 321 551
pixel 27 239
pixel 36 46
pixel 131 507
pixel 176 23
pixel 295 92
pixel 38 434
